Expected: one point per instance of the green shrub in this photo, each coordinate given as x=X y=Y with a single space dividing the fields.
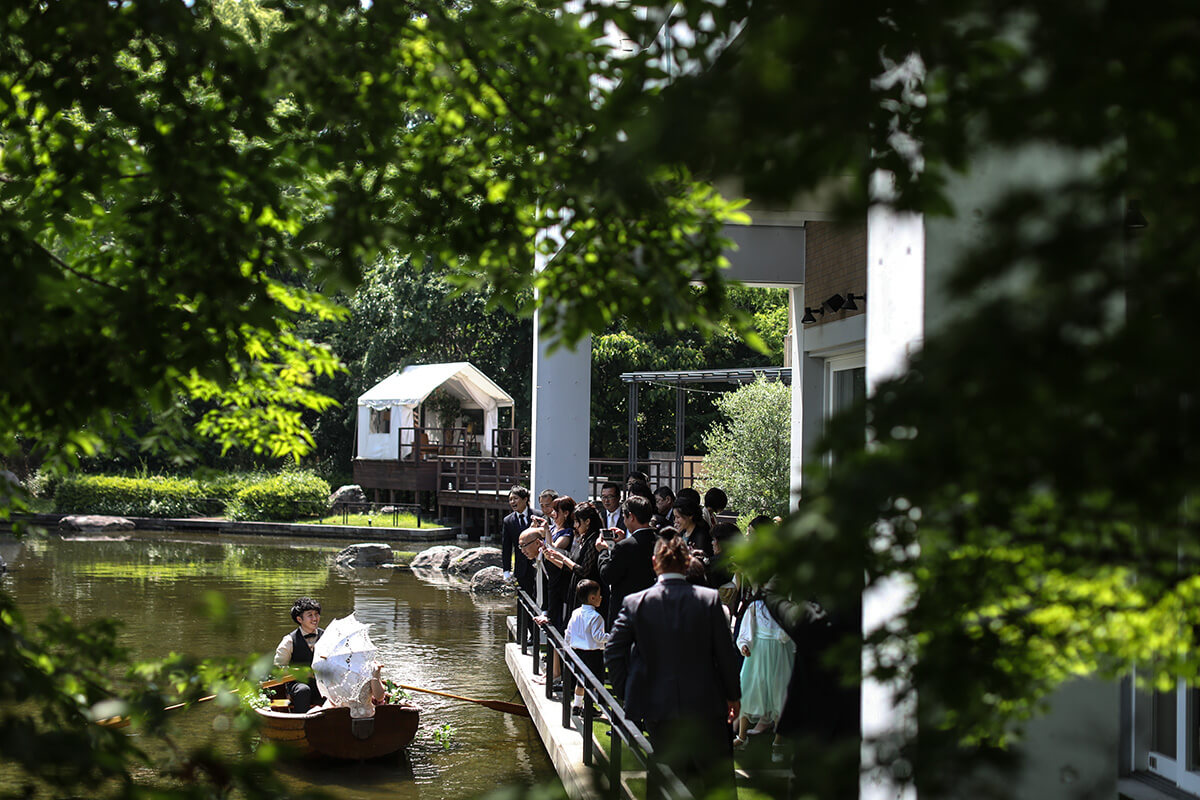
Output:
x=226 y=485
x=749 y=451
x=288 y=496
x=155 y=496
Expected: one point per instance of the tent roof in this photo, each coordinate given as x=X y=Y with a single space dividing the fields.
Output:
x=415 y=383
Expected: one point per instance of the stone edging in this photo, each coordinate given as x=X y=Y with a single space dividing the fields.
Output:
x=431 y=534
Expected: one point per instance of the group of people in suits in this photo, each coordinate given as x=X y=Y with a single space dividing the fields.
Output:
x=672 y=607
x=669 y=652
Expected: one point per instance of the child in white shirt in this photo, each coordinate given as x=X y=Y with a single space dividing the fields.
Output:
x=586 y=636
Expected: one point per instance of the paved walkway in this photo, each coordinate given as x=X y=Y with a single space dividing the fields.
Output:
x=565 y=745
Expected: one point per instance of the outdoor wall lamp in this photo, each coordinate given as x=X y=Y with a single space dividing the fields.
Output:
x=835 y=303
x=1134 y=219
x=851 y=297
x=808 y=317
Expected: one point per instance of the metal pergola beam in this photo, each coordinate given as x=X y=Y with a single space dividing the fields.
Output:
x=678 y=378
x=743 y=375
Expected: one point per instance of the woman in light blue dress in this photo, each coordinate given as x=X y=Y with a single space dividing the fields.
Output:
x=767 y=668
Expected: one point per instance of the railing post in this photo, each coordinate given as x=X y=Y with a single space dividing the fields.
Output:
x=614 y=766
x=549 y=667
x=537 y=647
x=589 y=719
x=568 y=690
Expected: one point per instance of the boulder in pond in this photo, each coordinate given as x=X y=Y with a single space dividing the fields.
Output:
x=10 y=486
x=351 y=494
x=436 y=557
x=365 y=555
x=468 y=562
x=94 y=522
x=490 y=580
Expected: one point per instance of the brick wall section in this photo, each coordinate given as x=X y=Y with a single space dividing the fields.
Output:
x=835 y=262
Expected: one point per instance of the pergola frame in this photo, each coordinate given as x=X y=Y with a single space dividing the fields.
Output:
x=678 y=378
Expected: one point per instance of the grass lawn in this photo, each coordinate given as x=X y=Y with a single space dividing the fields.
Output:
x=755 y=759
x=369 y=520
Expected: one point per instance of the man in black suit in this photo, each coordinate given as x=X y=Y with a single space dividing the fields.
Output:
x=520 y=519
x=626 y=564
x=610 y=499
x=296 y=648
x=682 y=677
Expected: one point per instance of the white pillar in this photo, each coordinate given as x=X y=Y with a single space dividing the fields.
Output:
x=562 y=407
x=895 y=330
x=796 y=362
x=562 y=412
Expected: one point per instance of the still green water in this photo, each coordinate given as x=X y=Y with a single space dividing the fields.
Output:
x=432 y=635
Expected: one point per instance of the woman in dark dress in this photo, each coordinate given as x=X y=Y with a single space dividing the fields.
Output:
x=689 y=521
x=583 y=561
x=561 y=537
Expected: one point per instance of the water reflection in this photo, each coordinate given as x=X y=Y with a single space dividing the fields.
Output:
x=435 y=636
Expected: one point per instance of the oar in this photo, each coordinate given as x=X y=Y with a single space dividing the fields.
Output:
x=495 y=705
x=121 y=722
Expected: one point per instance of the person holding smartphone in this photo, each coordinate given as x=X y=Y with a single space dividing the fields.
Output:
x=626 y=561
x=583 y=560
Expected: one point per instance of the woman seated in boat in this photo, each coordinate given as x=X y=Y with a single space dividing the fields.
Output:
x=370 y=695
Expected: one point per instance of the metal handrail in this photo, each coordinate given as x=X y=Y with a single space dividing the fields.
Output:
x=661 y=781
x=358 y=508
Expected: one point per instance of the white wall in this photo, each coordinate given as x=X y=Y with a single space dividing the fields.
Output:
x=1073 y=750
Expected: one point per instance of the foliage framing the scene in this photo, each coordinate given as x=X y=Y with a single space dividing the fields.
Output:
x=1035 y=470
x=182 y=184
x=173 y=173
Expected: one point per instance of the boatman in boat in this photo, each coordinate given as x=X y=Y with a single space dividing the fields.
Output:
x=297 y=648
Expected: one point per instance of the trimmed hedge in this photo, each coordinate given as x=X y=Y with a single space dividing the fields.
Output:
x=288 y=496
x=248 y=496
x=132 y=497
x=226 y=485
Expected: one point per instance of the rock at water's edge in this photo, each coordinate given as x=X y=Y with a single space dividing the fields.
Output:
x=365 y=555
x=490 y=580
x=3 y=566
x=471 y=561
x=351 y=494
x=436 y=557
x=94 y=522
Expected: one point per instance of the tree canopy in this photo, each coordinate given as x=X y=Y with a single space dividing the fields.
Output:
x=174 y=174
x=625 y=347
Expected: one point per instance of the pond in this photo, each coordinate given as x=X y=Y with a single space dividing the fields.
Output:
x=430 y=635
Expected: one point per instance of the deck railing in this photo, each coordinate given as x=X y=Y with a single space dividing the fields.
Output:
x=486 y=475
x=661 y=781
x=481 y=475
x=661 y=472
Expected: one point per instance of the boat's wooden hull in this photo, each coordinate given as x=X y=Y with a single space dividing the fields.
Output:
x=331 y=732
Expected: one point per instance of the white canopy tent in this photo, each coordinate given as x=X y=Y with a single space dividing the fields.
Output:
x=389 y=407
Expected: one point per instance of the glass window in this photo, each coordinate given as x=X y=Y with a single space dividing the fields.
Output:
x=1163 y=713
x=381 y=421
x=849 y=387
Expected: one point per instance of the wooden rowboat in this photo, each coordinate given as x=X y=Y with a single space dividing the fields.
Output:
x=332 y=732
